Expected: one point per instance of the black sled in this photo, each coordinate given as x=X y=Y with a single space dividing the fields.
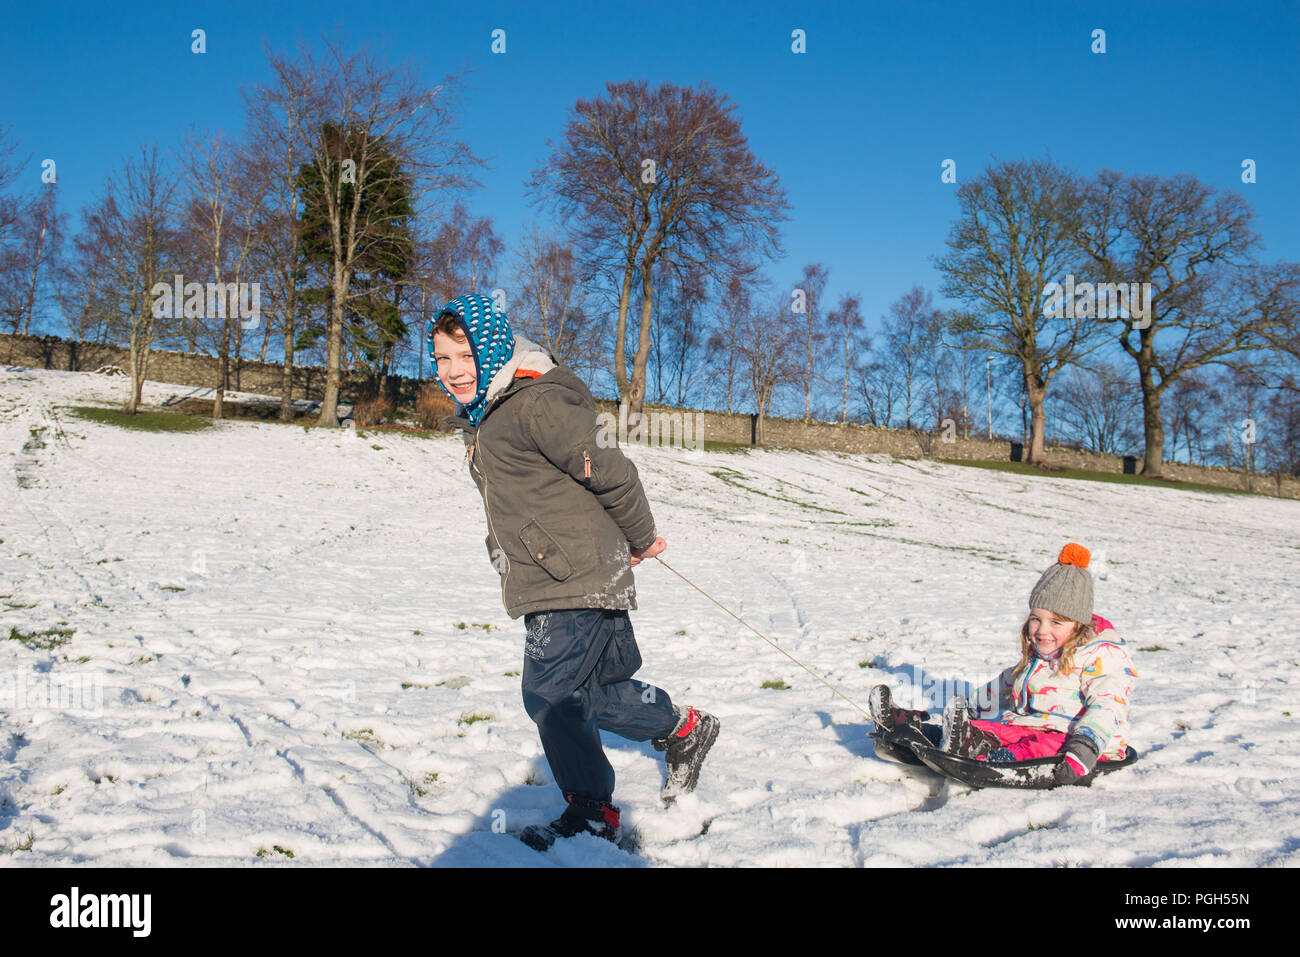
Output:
x=899 y=744
x=1034 y=774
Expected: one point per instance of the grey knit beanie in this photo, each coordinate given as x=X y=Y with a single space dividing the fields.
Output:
x=1066 y=587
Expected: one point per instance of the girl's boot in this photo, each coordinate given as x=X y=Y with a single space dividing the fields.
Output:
x=886 y=716
x=963 y=738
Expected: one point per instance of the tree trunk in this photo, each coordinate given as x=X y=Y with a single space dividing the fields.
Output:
x=334 y=353
x=139 y=357
x=1035 y=394
x=1152 y=426
x=31 y=290
x=266 y=339
x=846 y=378
x=223 y=352
x=223 y=374
x=620 y=343
x=636 y=391
x=808 y=376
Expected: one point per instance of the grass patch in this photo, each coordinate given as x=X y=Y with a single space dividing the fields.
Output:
x=141 y=421
x=45 y=640
x=172 y=587
x=474 y=717
x=23 y=845
x=1118 y=478
x=462 y=626
x=420 y=790
x=733 y=447
x=408 y=685
x=276 y=849
x=257 y=411
x=363 y=736
x=1155 y=648
x=777 y=685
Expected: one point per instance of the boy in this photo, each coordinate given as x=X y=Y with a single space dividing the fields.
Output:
x=567 y=519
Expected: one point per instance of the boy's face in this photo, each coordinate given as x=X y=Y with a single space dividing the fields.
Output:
x=456 y=370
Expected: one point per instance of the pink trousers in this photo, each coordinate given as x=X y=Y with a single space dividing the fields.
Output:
x=1024 y=743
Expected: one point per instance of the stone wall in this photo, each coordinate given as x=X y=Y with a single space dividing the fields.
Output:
x=183 y=368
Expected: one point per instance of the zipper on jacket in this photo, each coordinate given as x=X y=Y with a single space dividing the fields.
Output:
x=586 y=464
x=487 y=510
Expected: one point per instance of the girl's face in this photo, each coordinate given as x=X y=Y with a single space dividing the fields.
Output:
x=456 y=370
x=1048 y=631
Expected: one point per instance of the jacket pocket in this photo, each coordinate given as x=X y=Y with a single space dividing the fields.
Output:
x=621 y=657
x=545 y=551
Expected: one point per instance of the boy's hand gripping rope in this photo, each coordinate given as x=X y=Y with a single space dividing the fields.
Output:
x=834 y=690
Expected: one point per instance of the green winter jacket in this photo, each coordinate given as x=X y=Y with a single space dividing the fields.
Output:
x=564 y=506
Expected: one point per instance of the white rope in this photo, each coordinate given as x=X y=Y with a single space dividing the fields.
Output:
x=834 y=690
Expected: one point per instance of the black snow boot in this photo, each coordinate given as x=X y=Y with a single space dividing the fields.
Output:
x=686 y=747
x=582 y=816
x=962 y=738
x=886 y=716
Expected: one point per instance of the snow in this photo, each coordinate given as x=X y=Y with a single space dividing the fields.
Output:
x=291 y=641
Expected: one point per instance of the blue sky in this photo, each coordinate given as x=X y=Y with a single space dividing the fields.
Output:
x=856 y=128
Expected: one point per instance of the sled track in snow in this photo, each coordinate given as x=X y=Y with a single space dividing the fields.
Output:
x=54 y=526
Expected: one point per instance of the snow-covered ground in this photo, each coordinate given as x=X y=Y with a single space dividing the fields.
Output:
x=271 y=641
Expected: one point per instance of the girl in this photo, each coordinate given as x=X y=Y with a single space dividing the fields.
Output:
x=1068 y=694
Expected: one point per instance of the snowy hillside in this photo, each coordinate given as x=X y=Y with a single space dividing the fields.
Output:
x=303 y=652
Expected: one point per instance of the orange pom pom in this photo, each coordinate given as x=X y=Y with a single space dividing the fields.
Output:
x=1073 y=554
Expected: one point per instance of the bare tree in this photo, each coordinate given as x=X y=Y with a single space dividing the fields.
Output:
x=135 y=224
x=1095 y=405
x=11 y=167
x=936 y=361
x=1013 y=237
x=664 y=174
x=219 y=214
x=769 y=353
x=277 y=116
x=37 y=239
x=550 y=301
x=879 y=383
x=81 y=282
x=846 y=323
x=724 y=342
x=904 y=336
x=1191 y=247
x=363 y=126
x=678 y=332
x=812 y=333
x=1189 y=403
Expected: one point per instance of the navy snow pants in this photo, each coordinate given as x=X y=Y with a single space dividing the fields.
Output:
x=578 y=666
